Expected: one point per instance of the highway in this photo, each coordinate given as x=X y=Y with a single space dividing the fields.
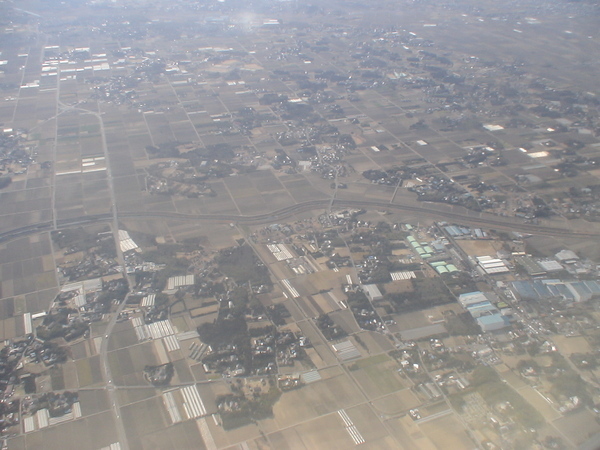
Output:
x=428 y=210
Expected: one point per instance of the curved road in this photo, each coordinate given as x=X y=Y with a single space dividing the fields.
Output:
x=432 y=211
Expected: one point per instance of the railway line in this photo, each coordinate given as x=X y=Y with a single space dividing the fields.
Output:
x=428 y=210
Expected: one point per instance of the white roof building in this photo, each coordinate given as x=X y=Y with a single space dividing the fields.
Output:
x=550 y=265
x=372 y=291
x=567 y=256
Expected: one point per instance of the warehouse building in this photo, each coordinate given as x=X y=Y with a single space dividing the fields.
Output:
x=577 y=291
x=372 y=291
x=480 y=305
x=491 y=266
x=493 y=322
x=533 y=268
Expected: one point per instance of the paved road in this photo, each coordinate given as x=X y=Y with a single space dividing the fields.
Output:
x=110 y=387
x=427 y=210
x=114 y=221
x=106 y=372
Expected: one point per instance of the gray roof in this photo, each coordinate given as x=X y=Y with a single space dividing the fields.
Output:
x=566 y=255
